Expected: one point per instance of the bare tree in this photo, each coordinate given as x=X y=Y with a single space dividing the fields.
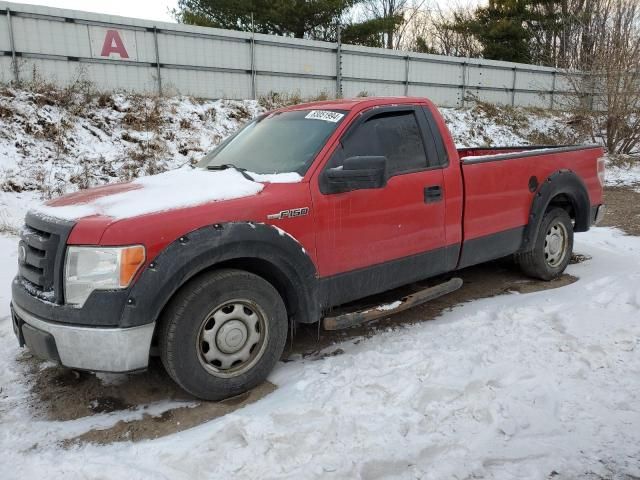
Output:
x=394 y=13
x=563 y=32
x=451 y=41
x=411 y=16
x=431 y=31
x=611 y=80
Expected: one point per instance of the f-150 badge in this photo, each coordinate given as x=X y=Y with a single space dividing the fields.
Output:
x=294 y=212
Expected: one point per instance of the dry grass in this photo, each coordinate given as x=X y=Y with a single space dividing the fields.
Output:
x=515 y=117
x=624 y=161
x=238 y=111
x=5 y=111
x=274 y=100
x=185 y=124
x=555 y=136
x=144 y=114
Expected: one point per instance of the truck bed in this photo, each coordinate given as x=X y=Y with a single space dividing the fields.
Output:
x=500 y=184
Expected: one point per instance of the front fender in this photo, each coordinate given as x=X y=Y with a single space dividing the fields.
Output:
x=216 y=244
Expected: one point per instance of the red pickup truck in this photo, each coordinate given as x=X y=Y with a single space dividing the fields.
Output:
x=304 y=209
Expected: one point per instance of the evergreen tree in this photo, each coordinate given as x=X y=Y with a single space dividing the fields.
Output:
x=501 y=28
x=295 y=18
x=370 y=33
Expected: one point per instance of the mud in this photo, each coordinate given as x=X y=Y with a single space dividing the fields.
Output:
x=622 y=209
x=171 y=421
x=60 y=394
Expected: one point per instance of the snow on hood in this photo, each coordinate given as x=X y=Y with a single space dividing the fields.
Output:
x=166 y=191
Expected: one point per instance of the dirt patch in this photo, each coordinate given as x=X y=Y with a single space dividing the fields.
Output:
x=62 y=394
x=623 y=209
x=171 y=421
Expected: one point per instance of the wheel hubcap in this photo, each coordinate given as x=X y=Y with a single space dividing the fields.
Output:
x=232 y=338
x=555 y=244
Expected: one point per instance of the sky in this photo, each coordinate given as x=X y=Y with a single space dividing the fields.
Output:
x=155 y=9
x=148 y=9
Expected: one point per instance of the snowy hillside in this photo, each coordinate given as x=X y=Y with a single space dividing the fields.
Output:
x=54 y=142
x=57 y=141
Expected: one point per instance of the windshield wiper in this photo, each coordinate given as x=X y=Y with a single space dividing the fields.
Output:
x=226 y=166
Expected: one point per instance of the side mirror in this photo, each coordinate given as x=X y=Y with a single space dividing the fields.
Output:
x=356 y=173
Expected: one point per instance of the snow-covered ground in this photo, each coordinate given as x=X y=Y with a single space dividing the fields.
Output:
x=625 y=174
x=540 y=385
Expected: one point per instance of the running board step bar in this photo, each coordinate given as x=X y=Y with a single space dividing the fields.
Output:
x=347 y=320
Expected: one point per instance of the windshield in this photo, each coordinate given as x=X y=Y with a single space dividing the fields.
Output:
x=277 y=143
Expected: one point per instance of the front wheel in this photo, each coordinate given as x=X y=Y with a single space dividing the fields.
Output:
x=553 y=247
x=223 y=333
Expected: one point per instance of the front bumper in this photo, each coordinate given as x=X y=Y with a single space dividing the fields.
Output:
x=98 y=349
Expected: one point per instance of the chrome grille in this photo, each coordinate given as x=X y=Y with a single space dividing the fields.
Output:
x=42 y=242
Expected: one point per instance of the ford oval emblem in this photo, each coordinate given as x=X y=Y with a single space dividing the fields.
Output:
x=22 y=253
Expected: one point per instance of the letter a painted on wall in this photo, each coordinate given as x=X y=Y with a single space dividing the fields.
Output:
x=113 y=44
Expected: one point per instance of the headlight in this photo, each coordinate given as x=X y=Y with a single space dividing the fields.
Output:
x=99 y=268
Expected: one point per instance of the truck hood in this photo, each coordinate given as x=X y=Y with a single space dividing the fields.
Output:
x=172 y=190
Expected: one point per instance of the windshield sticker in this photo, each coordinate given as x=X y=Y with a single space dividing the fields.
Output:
x=325 y=115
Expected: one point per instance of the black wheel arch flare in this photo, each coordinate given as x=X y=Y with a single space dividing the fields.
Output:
x=562 y=182
x=257 y=247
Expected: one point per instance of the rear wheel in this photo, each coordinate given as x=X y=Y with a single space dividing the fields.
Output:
x=223 y=333
x=553 y=246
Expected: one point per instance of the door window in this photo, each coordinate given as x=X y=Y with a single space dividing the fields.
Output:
x=395 y=135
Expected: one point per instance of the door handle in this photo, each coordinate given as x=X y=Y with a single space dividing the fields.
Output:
x=432 y=194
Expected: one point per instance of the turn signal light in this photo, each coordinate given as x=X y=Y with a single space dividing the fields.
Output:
x=131 y=259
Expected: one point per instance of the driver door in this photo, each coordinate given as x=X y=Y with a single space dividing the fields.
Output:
x=380 y=238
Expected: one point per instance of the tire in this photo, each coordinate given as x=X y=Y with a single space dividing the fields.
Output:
x=223 y=333
x=552 y=249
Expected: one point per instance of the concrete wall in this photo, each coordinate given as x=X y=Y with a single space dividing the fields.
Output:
x=144 y=56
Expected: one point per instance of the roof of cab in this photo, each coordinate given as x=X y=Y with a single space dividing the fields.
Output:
x=351 y=103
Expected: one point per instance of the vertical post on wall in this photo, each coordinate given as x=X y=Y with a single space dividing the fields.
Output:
x=464 y=83
x=155 y=41
x=338 y=63
x=553 y=89
x=513 y=87
x=253 y=59
x=592 y=92
x=14 y=61
x=407 y=60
